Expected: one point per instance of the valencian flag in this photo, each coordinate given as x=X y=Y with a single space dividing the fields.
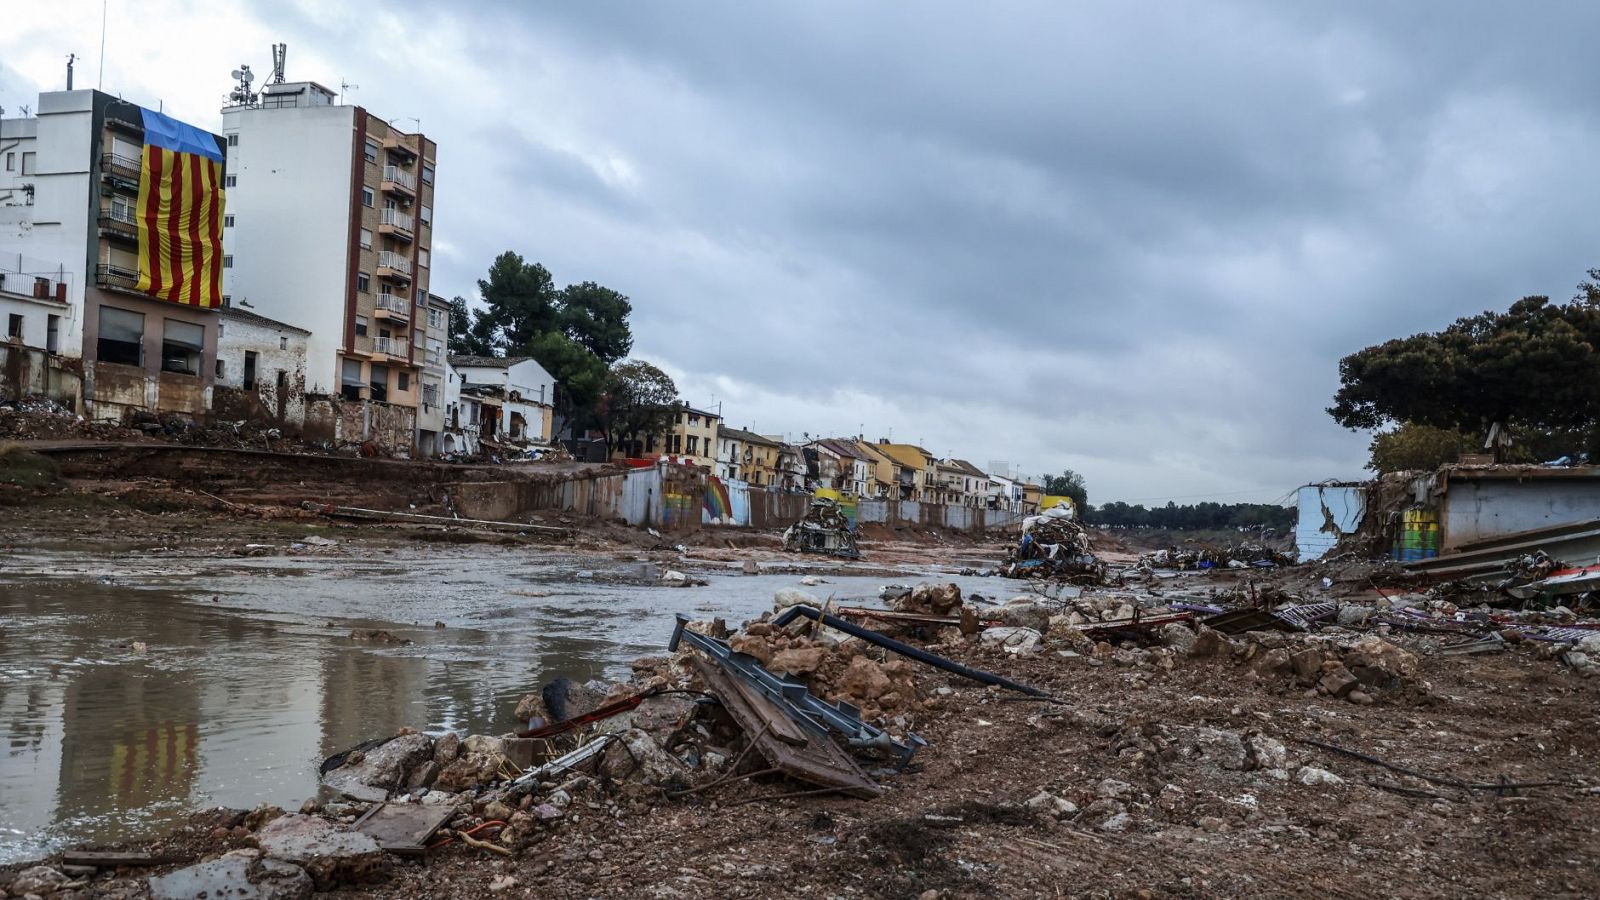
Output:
x=180 y=213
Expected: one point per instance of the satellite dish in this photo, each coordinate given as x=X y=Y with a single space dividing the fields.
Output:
x=237 y=74
x=249 y=76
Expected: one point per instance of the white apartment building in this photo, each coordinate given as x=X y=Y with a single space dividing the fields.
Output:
x=330 y=226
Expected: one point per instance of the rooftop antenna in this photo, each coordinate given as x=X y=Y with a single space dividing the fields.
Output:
x=71 y=58
x=279 y=53
x=242 y=95
x=344 y=88
x=101 y=80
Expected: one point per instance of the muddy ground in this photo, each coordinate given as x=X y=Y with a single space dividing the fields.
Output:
x=959 y=822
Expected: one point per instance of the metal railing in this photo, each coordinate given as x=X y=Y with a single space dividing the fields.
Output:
x=388 y=259
x=389 y=346
x=118 y=161
x=394 y=303
x=397 y=175
x=106 y=274
x=394 y=218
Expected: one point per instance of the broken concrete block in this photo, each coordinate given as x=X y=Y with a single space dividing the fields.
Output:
x=41 y=880
x=1026 y=612
x=1338 y=682
x=1012 y=639
x=640 y=758
x=372 y=776
x=784 y=598
x=330 y=855
x=238 y=874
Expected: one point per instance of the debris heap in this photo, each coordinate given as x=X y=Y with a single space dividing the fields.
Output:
x=823 y=529
x=1054 y=545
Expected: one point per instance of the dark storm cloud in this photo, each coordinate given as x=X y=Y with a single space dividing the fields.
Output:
x=1130 y=238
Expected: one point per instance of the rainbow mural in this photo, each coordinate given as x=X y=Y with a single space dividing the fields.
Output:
x=717 y=507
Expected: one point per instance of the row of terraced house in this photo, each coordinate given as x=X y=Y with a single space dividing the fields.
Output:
x=850 y=467
x=280 y=275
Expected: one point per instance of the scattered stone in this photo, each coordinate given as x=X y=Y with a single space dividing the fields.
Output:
x=502 y=883
x=38 y=880
x=1118 y=822
x=798 y=661
x=447 y=748
x=1012 y=639
x=1112 y=789
x=1178 y=636
x=1313 y=776
x=1049 y=804
x=1025 y=612
x=1307 y=665
x=1209 y=642
x=787 y=597
x=1338 y=682
x=1273 y=664
x=865 y=679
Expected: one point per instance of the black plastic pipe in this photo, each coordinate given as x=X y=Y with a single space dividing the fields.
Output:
x=889 y=643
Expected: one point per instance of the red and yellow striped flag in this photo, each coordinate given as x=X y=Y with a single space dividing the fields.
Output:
x=180 y=213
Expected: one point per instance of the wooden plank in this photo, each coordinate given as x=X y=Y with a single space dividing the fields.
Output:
x=403 y=828
x=109 y=858
x=818 y=761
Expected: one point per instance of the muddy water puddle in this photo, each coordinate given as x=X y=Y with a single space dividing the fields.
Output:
x=135 y=689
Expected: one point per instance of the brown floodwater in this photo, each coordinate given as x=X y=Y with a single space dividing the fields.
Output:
x=138 y=686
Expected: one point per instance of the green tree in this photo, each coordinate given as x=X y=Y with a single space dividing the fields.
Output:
x=1068 y=484
x=1411 y=446
x=1533 y=368
x=597 y=318
x=520 y=302
x=469 y=335
x=639 y=399
x=580 y=378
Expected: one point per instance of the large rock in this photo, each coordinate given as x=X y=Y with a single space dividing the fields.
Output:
x=331 y=855
x=798 y=660
x=935 y=599
x=640 y=758
x=473 y=768
x=1273 y=664
x=1220 y=748
x=753 y=645
x=1210 y=642
x=784 y=598
x=370 y=777
x=1178 y=636
x=1376 y=662
x=1338 y=682
x=1307 y=665
x=1011 y=638
x=447 y=748
x=238 y=875
x=1026 y=612
x=41 y=880
x=865 y=680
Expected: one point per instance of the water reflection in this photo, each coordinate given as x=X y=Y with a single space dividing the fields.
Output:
x=249 y=677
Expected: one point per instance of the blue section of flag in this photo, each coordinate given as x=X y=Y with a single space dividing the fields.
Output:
x=170 y=134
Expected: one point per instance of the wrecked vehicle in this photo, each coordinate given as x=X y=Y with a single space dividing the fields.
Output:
x=823 y=529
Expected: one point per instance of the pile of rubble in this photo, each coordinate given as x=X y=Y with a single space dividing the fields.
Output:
x=1054 y=545
x=823 y=529
x=1246 y=555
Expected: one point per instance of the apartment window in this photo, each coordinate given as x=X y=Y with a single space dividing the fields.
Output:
x=402 y=381
x=27 y=162
x=227 y=220
x=230 y=181
x=371 y=152
x=219 y=329
x=379 y=384
x=694 y=445
x=233 y=140
x=350 y=379
x=436 y=319
x=363 y=282
x=227 y=260
x=227 y=299
x=283 y=343
x=425 y=214
x=422 y=257
x=11 y=162
x=14 y=327
x=52 y=334
x=361 y=325
x=368 y=197
x=181 y=343
x=430 y=394
x=416 y=338
x=222 y=369
x=121 y=338
x=427 y=173
x=366 y=238
x=250 y=369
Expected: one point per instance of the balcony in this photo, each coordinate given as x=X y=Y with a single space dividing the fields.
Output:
x=393 y=266
x=390 y=347
x=107 y=275
x=396 y=224
x=118 y=223
x=398 y=181
x=117 y=165
x=395 y=307
x=397 y=145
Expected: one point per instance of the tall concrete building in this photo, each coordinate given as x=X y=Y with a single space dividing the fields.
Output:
x=72 y=231
x=330 y=226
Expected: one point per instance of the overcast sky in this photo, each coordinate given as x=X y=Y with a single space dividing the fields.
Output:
x=1128 y=239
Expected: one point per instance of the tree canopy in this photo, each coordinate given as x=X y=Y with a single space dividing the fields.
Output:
x=1204 y=516
x=576 y=333
x=1411 y=446
x=1532 y=368
x=1068 y=484
x=639 y=399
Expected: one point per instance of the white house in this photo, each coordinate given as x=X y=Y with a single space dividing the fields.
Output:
x=524 y=390
x=263 y=363
x=1004 y=492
